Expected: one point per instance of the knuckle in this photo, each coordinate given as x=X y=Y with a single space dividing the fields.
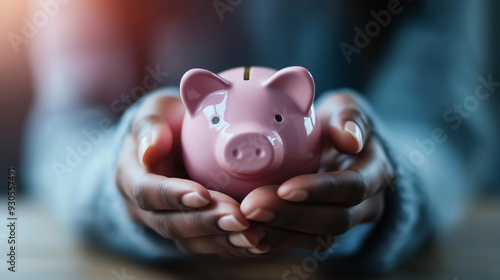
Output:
x=326 y=192
x=203 y=226
x=220 y=244
x=359 y=188
x=145 y=194
x=167 y=228
x=344 y=222
x=164 y=195
x=141 y=196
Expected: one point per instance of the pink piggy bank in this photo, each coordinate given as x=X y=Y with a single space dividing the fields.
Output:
x=249 y=126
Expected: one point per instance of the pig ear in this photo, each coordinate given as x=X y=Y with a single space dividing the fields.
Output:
x=196 y=84
x=295 y=82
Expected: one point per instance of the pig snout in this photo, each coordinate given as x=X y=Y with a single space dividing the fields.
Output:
x=250 y=154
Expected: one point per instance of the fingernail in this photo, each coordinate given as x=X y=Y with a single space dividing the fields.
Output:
x=257 y=251
x=261 y=215
x=239 y=240
x=144 y=144
x=354 y=129
x=230 y=223
x=194 y=200
x=299 y=195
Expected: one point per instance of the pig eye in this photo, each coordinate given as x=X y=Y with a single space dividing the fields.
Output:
x=215 y=120
x=278 y=118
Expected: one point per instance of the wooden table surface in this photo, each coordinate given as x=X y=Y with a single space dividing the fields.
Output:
x=470 y=251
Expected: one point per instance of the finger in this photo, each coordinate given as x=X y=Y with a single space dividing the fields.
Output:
x=154 y=139
x=154 y=192
x=263 y=205
x=369 y=173
x=277 y=237
x=220 y=244
x=373 y=209
x=157 y=125
x=345 y=123
x=219 y=217
x=346 y=187
x=214 y=244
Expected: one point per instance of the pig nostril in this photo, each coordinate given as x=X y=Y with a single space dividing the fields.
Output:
x=259 y=152
x=236 y=153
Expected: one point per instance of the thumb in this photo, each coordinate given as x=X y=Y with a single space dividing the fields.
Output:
x=154 y=139
x=347 y=127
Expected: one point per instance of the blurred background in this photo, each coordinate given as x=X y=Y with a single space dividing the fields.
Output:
x=47 y=252
x=15 y=84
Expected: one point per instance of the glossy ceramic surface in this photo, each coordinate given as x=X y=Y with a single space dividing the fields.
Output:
x=249 y=126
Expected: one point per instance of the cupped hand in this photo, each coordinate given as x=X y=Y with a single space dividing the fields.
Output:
x=348 y=190
x=158 y=195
